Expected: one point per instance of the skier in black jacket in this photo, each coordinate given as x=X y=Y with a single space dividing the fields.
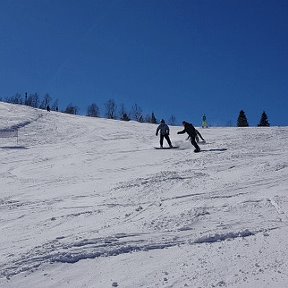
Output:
x=193 y=134
x=164 y=133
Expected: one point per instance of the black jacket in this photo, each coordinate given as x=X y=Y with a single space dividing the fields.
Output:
x=164 y=129
x=189 y=129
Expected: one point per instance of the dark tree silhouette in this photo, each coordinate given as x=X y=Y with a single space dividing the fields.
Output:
x=71 y=109
x=110 y=109
x=93 y=110
x=55 y=105
x=45 y=102
x=153 y=118
x=32 y=100
x=147 y=118
x=136 y=113
x=172 y=120
x=141 y=119
x=264 y=120
x=150 y=118
x=123 y=115
x=17 y=99
x=242 y=120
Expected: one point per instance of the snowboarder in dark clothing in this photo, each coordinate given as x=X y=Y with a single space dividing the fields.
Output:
x=193 y=134
x=197 y=137
x=164 y=133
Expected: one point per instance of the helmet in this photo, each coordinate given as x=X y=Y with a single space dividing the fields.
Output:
x=162 y=121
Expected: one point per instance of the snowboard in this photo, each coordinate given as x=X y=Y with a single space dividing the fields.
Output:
x=174 y=147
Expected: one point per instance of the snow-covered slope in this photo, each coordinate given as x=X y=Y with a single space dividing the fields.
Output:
x=89 y=202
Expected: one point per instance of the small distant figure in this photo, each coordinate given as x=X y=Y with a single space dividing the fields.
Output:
x=48 y=108
x=193 y=134
x=164 y=133
x=204 y=122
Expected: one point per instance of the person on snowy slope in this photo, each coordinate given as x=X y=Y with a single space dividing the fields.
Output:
x=199 y=135
x=164 y=133
x=193 y=134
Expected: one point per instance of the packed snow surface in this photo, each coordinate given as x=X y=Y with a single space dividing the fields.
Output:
x=89 y=202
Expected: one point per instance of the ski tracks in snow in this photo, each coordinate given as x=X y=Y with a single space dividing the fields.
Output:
x=107 y=192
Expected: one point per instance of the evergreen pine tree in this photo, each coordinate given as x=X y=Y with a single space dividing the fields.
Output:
x=125 y=117
x=242 y=120
x=153 y=119
x=264 y=120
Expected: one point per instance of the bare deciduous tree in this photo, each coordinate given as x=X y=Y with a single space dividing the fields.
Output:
x=110 y=109
x=71 y=109
x=136 y=113
x=93 y=110
x=45 y=102
x=55 y=105
x=17 y=99
x=123 y=115
x=172 y=120
x=32 y=100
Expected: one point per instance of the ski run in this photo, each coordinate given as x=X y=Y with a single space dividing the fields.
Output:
x=88 y=202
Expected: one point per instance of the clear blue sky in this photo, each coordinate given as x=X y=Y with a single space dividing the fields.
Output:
x=180 y=57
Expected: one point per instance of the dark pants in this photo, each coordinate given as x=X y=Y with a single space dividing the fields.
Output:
x=194 y=143
x=167 y=139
